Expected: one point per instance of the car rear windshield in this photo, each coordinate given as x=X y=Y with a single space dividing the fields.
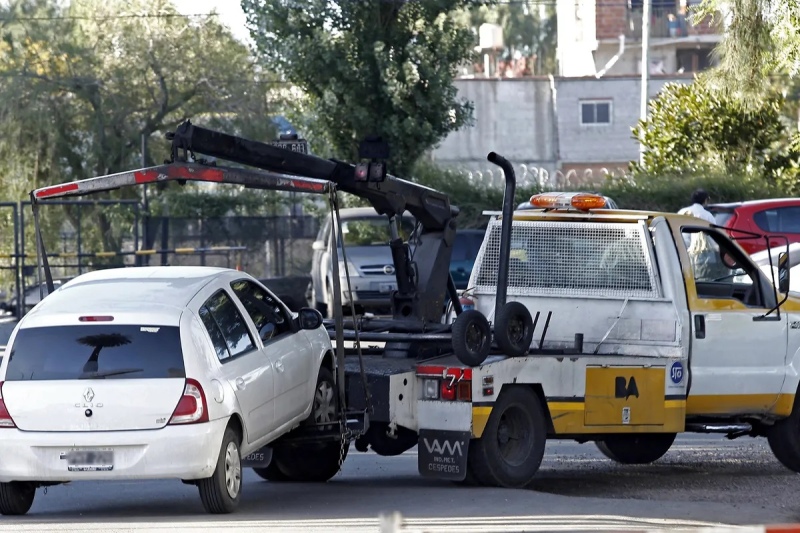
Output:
x=96 y=352
x=722 y=217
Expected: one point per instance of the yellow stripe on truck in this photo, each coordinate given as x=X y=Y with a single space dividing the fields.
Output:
x=480 y=417
x=722 y=404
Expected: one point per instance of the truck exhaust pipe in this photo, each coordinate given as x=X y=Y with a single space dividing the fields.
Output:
x=505 y=228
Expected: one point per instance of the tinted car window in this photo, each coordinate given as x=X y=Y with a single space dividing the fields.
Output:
x=466 y=246
x=372 y=231
x=263 y=309
x=722 y=217
x=224 y=322
x=107 y=351
x=779 y=220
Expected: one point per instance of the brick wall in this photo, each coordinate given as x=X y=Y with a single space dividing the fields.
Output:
x=612 y=19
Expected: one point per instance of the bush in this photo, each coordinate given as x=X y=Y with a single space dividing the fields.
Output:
x=669 y=193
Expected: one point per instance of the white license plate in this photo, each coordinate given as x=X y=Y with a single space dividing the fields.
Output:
x=387 y=287
x=99 y=460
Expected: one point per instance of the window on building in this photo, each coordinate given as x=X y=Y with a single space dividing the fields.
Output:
x=694 y=59
x=596 y=112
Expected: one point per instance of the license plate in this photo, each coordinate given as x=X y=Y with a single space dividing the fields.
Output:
x=101 y=460
x=387 y=287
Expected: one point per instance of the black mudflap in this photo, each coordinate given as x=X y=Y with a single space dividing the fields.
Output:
x=443 y=454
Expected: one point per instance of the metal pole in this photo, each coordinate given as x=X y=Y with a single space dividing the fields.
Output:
x=18 y=268
x=645 y=68
x=79 y=240
x=146 y=217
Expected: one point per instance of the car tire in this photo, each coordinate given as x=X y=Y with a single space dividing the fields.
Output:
x=310 y=463
x=221 y=492
x=471 y=337
x=784 y=439
x=329 y=303
x=494 y=460
x=638 y=449
x=16 y=498
x=513 y=329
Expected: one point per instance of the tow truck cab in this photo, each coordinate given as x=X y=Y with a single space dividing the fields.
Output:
x=645 y=325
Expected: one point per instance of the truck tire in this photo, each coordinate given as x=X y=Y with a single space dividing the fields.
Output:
x=636 y=449
x=513 y=329
x=784 y=439
x=510 y=451
x=221 y=492
x=310 y=463
x=471 y=337
x=16 y=498
x=271 y=472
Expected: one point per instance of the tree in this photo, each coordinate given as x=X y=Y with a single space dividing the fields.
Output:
x=692 y=128
x=762 y=38
x=370 y=68
x=81 y=85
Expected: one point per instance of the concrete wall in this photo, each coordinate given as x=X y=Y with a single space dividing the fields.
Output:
x=513 y=117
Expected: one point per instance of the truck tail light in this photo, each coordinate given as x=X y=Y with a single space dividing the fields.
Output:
x=5 y=418
x=431 y=389
x=465 y=391
x=192 y=407
x=448 y=391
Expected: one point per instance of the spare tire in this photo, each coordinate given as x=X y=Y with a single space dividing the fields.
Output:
x=472 y=337
x=513 y=329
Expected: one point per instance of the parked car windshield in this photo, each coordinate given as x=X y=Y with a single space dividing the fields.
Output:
x=96 y=351
x=372 y=231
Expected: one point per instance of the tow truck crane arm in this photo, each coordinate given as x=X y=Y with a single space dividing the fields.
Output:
x=420 y=294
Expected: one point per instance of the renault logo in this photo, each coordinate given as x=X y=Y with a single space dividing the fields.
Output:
x=388 y=269
x=88 y=395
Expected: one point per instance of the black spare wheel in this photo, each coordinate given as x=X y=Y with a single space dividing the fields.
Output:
x=513 y=329
x=471 y=337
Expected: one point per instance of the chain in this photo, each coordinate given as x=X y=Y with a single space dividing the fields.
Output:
x=342 y=446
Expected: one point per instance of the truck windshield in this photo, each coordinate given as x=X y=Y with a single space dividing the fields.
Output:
x=373 y=231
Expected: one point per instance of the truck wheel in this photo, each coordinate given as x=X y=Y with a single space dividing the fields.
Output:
x=513 y=329
x=510 y=451
x=221 y=492
x=784 y=440
x=636 y=449
x=471 y=337
x=16 y=498
x=271 y=472
x=310 y=462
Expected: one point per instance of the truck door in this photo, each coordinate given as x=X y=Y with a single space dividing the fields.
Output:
x=737 y=357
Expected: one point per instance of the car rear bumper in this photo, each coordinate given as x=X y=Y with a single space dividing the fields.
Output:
x=182 y=452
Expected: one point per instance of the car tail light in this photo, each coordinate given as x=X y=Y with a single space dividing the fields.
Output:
x=96 y=318
x=192 y=407
x=5 y=418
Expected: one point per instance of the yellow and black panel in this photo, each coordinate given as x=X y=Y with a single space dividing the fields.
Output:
x=624 y=395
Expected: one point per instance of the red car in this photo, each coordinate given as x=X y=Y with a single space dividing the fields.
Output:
x=776 y=217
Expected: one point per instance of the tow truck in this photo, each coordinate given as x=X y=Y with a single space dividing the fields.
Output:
x=637 y=339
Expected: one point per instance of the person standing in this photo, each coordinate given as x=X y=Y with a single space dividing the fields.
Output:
x=700 y=199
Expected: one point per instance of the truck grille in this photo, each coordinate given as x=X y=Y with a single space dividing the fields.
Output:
x=570 y=259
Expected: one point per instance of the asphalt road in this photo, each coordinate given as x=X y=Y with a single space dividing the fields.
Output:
x=702 y=481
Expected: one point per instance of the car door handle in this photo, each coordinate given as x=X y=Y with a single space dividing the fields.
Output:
x=700 y=326
x=279 y=365
x=240 y=384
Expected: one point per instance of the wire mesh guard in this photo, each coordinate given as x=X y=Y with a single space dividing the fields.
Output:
x=570 y=259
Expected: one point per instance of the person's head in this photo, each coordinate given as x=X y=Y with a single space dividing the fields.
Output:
x=700 y=196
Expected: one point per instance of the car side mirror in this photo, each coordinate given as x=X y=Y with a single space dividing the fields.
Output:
x=309 y=318
x=783 y=272
x=318 y=246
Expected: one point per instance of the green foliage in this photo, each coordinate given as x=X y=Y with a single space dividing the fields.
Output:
x=370 y=68
x=82 y=84
x=695 y=128
x=762 y=38
x=671 y=192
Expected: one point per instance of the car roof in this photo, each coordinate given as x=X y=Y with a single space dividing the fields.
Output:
x=163 y=289
x=756 y=203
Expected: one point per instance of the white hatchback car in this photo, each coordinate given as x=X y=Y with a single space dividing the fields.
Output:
x=157 y=372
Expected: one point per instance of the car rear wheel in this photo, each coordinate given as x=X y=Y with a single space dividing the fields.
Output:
x=271 y=472
x=16 y=498
x=221 y=492
x=784 y=439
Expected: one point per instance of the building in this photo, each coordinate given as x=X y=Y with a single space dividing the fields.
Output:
x=604 y=37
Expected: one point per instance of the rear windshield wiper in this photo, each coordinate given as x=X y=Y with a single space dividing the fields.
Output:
x=106 y=373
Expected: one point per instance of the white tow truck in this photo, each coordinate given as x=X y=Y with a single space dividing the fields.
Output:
x=646 y=325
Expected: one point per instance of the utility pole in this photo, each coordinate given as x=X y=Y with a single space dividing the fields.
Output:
x=145 y=206
x=645 y=67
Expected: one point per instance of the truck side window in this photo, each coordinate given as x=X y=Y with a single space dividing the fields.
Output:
x=720 y=270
